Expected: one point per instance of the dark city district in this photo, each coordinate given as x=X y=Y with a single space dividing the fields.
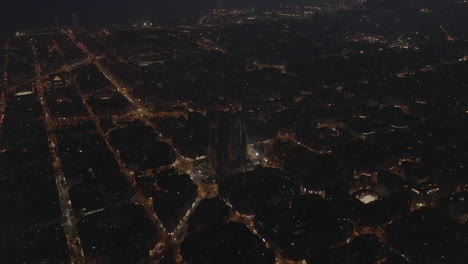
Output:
x=238 y=132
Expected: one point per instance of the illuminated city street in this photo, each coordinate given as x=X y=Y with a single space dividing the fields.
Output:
x=228 y=132
x=69 y=220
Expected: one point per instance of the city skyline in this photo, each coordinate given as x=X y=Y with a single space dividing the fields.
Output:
x=23 y=14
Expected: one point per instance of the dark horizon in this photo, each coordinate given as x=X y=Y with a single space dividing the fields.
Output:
x=29 y=14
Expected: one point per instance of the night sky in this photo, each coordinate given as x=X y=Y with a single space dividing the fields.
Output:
x=20 y=14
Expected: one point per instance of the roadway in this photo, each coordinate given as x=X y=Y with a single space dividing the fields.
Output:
x=248 y=221
x=65 y=68
x=449 y=37
x=141 y=112
x=68 y=218
x=140 y=197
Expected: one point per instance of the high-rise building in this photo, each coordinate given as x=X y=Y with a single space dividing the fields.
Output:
x=75 y=23
x=227 y=150
x=219 y=7
x=57 y=26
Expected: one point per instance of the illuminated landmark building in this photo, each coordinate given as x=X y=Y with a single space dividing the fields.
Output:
x=227 y=151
